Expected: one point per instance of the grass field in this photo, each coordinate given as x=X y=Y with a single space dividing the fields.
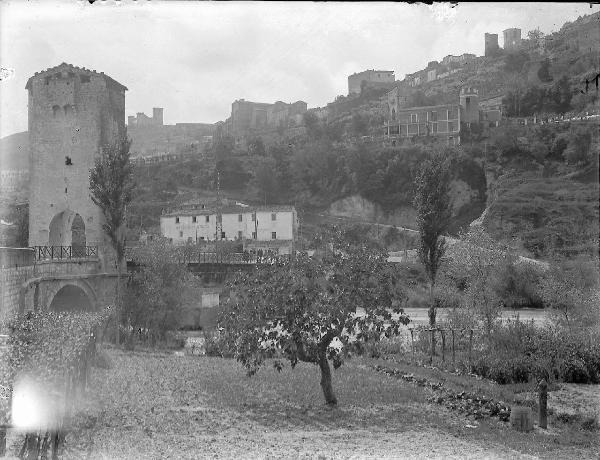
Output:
x=157 y=405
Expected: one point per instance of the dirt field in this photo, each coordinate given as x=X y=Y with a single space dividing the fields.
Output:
x=157 y=405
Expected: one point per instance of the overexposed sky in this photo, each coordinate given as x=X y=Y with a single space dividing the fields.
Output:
x=195 y=58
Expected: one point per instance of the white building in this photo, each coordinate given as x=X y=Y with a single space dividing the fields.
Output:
x=260 y=227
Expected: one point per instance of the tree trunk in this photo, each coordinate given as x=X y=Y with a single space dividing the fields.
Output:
x=118 y=306
x=330 y=398
x=432 y=313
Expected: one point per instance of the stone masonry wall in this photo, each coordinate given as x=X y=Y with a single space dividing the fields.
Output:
x=11 y=280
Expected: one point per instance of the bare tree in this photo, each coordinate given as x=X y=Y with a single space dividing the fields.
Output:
x=111 y=187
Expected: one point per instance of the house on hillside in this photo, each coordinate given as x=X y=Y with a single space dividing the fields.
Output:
x=272 y=228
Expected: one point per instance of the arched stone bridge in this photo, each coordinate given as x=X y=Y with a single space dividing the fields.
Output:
x=64 y=282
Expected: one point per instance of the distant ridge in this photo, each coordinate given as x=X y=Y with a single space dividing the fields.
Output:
x=14 y=151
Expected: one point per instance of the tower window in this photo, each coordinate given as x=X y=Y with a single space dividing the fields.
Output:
x=273 y=216
x=273 y=235
x=177 y=220
x=55 y=109
x=68 y=161
x=239 y=217
x=194 y=219
x=207 y=219
x=84 y=78
x=47 y=80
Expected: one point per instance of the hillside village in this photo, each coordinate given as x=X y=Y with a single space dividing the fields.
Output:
x=422 y=252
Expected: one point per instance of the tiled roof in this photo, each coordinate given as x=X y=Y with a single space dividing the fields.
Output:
x=229 y=210
x=80 y=70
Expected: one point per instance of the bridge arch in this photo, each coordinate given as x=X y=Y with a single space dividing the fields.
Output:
x=72 y=295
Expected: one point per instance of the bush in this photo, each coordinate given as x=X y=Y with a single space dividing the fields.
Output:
x=515 y=351
x=216 y=344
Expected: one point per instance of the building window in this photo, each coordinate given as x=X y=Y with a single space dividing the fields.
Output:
x=253 y=216
x=273 y=235
x=450 y=126
x=55 y=109
x=273 y=216
x=180 y=234
x=433 y=116
x=194 y=219
x=84 y=78
x=253 y=235
x=239 y=217
x=434 y=128
x=207 y=219
x=448 y=115
x=413 y=117
x=468 y=99
x=177 y=220
x=240 y=234
x=222 y=235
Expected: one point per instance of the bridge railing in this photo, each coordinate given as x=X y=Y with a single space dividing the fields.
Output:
x=65 y=252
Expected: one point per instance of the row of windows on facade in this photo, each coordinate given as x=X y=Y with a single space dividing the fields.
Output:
x=240 y=235
x=219 y=218
x=423 y=128
x=430 y=116
x=82 y=78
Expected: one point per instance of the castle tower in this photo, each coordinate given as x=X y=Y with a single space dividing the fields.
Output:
x=512 y=39
x=469 y=105
x=72 y=113
x=157 y=115
x=491 y=44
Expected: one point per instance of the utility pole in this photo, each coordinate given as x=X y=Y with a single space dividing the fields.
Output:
x=218 y=224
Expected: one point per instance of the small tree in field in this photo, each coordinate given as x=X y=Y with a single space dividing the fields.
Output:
x=313 y=309
x=111 y=187
x=433 y=205
x=476 y=261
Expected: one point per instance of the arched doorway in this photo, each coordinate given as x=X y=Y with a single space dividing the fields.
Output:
x=58 y=230
x=71 y=298
x=78 y=237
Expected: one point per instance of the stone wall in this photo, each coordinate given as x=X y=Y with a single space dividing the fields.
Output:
x=11 y=281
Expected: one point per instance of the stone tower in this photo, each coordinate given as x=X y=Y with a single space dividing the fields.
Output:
x=157 y=115
x=72 y=113
x=491 y=44
x=512 y=39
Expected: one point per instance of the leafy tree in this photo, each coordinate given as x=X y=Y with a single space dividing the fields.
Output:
x=544 y=71
x=257 y=147
x=434 y=210
x=157 y=292
x=111 y=189
x=572 y=291
x=314 y=309
x=475 y=262
x=515 y=61
x=265 y=181
x=579 y=147
x=223 y=148
x=313 y=126
x=359 y=124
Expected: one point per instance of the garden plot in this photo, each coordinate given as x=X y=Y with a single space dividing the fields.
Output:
x=157 y=405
